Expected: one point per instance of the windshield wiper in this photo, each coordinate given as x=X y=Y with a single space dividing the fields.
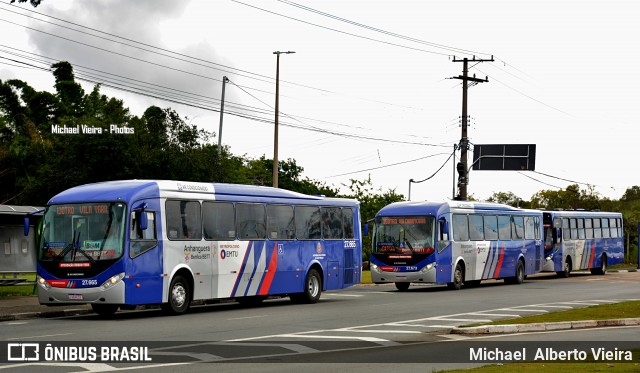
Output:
x=75 y=246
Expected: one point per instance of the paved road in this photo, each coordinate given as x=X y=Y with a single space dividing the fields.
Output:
x=370 y=325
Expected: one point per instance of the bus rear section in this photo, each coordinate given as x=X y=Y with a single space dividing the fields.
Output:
x=580 y=240
x=455 y=243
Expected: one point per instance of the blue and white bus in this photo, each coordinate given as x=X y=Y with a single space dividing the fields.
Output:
x=577 y=239
x=455 y=243
x=121 y=244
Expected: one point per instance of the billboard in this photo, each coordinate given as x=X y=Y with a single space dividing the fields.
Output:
x=504 y=157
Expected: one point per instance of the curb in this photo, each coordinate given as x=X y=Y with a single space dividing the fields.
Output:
x=45 y=314
x=543 y=327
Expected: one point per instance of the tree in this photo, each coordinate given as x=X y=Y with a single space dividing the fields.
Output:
x=371 y=201
x=631 y=194
x=34 y=3
x=507 y=198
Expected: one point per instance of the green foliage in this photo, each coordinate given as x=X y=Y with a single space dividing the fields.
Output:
x=371 y=201
x=34 y=3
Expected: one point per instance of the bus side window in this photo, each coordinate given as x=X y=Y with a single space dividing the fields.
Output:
x=142 y=240
x=588 y=227
x=597 y=231
x=251 y=219
x=347 y=223
x=517 y=227
x=504 y=227
x=490 y=227
x=605 y=228
x=460 y=227
x=443 y=235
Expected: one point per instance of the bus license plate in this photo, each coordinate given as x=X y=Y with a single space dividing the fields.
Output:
x=75 y=296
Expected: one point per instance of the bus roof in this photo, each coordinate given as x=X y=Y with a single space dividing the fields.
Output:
x=131 y=190
x=581 y=213
x=436 y=208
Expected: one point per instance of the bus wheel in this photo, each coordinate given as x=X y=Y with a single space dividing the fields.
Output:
x=519 y=273
x=519 y=277
x=602 y=269
x=566 y=271
x=179 y=297
x=312 y=289
x=104 y=310
x=458 y=278
x=402 y=286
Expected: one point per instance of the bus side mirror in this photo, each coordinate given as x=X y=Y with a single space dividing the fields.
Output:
x=365 y=229
x=444 y=230
x=26 y=226
x=143 y=222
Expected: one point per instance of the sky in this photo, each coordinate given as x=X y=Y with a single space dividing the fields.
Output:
x=369 y=91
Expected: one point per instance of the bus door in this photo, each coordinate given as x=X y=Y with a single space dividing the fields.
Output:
x=144 y=254
x=444 y=252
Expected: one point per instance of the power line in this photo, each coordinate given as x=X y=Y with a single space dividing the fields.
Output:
x=435 y=173
x=389 y=165
x=342 y=32
x=441 y=46
x=173 y=57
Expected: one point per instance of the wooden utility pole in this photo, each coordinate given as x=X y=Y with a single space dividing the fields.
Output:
x=462 y=167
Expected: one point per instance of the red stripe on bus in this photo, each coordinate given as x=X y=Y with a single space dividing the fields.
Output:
x=271 y=271
x=499 y=266
x=593 y=254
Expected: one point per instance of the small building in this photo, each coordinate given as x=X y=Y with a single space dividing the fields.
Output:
x=17 y=251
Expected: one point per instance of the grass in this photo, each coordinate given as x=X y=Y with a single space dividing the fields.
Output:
x=366 y=277
x=554 y=367
x=19 y=290
x=620 y=310
x=600 y=312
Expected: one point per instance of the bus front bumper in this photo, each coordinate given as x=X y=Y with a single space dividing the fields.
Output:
x=426 y=275
x=55 y=295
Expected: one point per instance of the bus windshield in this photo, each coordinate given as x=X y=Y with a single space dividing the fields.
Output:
x=404 y=235
x=84 y=232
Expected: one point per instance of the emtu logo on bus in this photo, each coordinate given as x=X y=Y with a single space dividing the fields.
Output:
x=228 y=254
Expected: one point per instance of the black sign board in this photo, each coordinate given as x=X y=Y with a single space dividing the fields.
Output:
x=504 y=157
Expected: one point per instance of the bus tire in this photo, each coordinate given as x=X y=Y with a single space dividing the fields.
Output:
x=566 y=270
x=179 y=298
x=402 y=286
x=519 y=277
x=104 y=310
x=458 y=278
x=312 y=289
x=519 y=273
x=602 y=270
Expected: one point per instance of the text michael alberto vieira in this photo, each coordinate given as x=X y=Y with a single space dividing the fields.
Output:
x=91 y=130
x=550 y=354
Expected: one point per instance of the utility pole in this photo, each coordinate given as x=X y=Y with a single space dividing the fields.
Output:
x=275 y=132
x=224 y=81
x=463 y=179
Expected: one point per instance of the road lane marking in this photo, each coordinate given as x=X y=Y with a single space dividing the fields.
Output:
x=38 y=336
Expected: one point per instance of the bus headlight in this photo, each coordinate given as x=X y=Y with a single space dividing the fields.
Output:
x=42 y=282
x=549 y=257
x=112 y=281
x=375 y=268
x=428 y=267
